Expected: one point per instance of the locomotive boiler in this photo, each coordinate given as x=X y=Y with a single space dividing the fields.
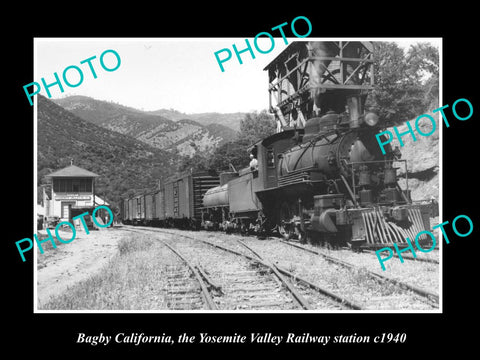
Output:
x=322 y=175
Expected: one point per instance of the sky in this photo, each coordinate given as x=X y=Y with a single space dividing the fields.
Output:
x=170 y=73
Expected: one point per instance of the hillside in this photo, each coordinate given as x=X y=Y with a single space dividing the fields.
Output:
x=423 y=160
x=230 y=120
x=122 y=162
x=178 y=134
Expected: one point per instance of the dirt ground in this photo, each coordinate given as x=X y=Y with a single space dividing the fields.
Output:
x=59 y=268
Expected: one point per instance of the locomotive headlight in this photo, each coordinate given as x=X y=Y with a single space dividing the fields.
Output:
x=371 y=119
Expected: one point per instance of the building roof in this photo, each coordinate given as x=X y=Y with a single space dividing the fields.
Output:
x=295 y=46
x=99 y=201
x=72 y=171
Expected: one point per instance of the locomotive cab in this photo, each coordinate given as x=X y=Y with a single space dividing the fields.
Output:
x=333 y=180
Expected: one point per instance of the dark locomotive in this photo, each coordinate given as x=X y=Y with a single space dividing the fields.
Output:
x=322 y=176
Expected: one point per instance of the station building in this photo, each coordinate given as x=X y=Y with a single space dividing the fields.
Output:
x=72 y=193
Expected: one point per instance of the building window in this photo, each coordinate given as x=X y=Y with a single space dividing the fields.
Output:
x=59 y=185
x=68 y=185
x=86 y=185
x=72 y=185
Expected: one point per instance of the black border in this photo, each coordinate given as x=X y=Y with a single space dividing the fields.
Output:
x=427 y=333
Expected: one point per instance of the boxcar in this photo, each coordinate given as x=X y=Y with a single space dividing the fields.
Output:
x=183 y=199
x=142 y=207
x=159 y=207
x=130 y=210
x=168 y=201
x=177 y=203
x=138 y=215
x=149 y=208
x=125 y=210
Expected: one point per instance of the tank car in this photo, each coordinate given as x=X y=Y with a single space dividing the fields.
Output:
x=215 y=211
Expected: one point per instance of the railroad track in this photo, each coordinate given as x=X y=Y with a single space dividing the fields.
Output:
x=248 y=281
x=408 y=257
x=298 y=282
x=372 y=290
x=374 y=275
x=180 y=289
x=244 y=284
x=188 y=287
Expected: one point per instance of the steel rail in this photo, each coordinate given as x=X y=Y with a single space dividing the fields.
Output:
x=205 y=292
x=407 y=257
x=300 y=299
x=419 y=291
x=337 y=298
x=345 y=302
x=211 y=284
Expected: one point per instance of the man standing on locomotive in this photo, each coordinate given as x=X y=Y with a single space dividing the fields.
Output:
x=253 y=162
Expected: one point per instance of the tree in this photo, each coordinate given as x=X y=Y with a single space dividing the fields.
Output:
x=405 y=83
x=198 y=162
x=256 y=126
x=423 y=60
x=233 y=152
x=253 y=127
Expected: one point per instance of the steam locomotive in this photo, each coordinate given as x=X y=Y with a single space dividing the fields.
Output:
x=322 y=175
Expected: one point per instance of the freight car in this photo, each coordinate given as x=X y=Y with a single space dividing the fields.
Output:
x=322 y=175
x=134 y=209
x=175 y=203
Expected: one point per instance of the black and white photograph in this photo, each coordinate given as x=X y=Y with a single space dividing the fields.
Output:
x=309 y=194
x=293 y=182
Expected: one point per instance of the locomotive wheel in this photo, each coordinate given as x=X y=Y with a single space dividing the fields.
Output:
x=283 y=232
x=285 y=228
x=302 y=236
x=264 y=227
